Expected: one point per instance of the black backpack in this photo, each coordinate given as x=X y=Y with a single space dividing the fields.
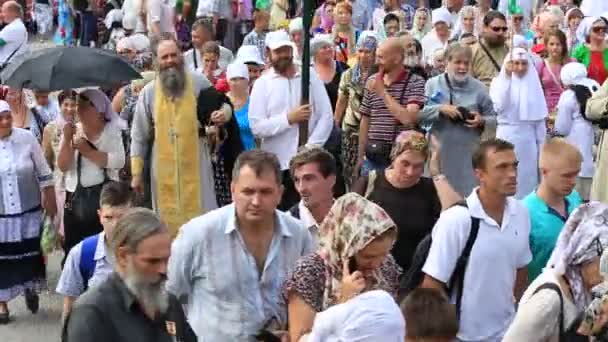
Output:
x=414 y=275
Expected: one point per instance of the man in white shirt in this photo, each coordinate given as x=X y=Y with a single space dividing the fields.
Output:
x=202 y=32
x=275 y=109
x=160 y=17
x=496 y=272
x=13 y=37
x=314 y=176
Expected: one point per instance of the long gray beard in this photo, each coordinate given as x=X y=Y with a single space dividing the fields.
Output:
x=173 y=81
x=153 y=297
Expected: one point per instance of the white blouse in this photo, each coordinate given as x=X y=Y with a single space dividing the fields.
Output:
x=110 y=142
x=537 y=317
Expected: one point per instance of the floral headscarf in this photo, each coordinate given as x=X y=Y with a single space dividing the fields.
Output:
x=584 y=235
x=351 y=224
x=367 y=40
x=409 y=141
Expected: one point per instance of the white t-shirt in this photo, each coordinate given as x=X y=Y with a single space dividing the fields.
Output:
x=160 y=11
x=15 y=36
x=488 y=305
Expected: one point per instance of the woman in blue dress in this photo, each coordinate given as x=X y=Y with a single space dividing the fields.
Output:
x=237 y=75
x=65 y=24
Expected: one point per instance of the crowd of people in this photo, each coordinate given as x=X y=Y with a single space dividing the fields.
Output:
x=446 y=179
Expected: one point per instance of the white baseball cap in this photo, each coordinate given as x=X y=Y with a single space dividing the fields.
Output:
x=237 y=70
x=249 y=54
x=277 y=39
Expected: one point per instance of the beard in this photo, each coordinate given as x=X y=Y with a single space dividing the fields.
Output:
x=281 y=65
x=173 y=80
x=151 y=295
x=458 y=78
x=495 y=42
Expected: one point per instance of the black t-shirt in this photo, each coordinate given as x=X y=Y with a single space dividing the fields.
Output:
x=333 y=86
x=414 y=210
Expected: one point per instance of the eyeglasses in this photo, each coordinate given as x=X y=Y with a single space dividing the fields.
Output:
x=599 y=29
x=499 y=29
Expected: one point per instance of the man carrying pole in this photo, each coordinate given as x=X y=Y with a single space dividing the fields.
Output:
x=276 y=109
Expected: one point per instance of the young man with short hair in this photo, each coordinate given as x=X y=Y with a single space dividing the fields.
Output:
x=553 y=201
x=257 y=36
x=496 y=272
x=314 y=175
x=88 y=263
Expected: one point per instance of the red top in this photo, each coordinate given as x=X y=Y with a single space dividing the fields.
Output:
x=596 y=69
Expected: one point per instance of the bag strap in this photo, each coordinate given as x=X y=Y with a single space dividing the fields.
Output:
x=79 y=166
x=8 y=59
x=457 y=278
x=556 y=288
x=450 y=89
x=485 y=49
x=38 y=120
x=87 y=259
x=194 y=53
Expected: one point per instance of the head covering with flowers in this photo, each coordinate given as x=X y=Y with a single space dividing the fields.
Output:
x=583 y=238
x=595 y=318
x=409 y=141
x=351 y=224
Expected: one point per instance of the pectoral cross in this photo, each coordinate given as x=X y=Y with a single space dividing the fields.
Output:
x=172 y=134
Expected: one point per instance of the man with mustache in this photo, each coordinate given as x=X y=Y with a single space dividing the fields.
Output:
x=170 y=121
x=491 y=49
x=132 y=304
x=275 y=109
x=458 y=106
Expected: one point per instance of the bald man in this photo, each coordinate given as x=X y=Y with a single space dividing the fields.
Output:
x=391 y=101
x=13 y=37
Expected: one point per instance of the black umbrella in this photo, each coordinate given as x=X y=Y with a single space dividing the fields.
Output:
x=60 y=68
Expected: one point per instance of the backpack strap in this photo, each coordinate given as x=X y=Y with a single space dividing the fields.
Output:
x=87 y=259
x=457 y=278
x=556 y=288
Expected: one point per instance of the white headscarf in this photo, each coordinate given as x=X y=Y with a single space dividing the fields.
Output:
x=584 y=28
x=582 y=239
x=370 y=317
x=103 y=105
x=523 y=93
x=575 y=73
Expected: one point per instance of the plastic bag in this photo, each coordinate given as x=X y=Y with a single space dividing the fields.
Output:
x=49 y=239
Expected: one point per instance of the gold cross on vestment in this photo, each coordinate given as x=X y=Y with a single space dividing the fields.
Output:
x=172 y=134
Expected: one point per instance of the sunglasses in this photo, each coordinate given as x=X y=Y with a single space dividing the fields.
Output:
x=518 y=18
x=499 y=29
x=599 y=29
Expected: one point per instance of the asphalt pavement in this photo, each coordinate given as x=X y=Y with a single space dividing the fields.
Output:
x=45 y=326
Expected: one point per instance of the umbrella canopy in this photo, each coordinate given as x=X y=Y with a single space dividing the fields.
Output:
x=67 y=67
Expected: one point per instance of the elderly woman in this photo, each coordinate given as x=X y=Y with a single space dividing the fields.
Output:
x=344 y=33
x=519 y=25
x=439 y=36
x=24 y=116
x=27 y=189
x=350 y=94
x=50 y=144
x=422 y=23
x=90 y=153
x=371 y=316
x=353 y=257
x=563 y=291
x=458 y=107
x=329 y=70
x=593 y=53
x=521 y=118
x=401 y=190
